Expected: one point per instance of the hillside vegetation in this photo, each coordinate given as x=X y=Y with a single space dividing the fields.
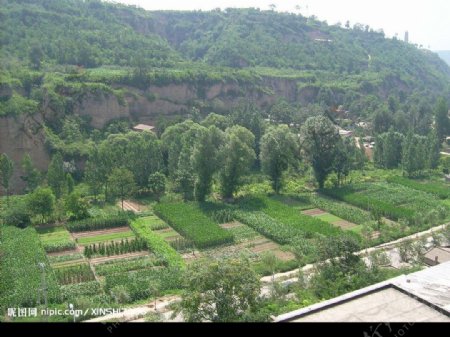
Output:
x=44 y=44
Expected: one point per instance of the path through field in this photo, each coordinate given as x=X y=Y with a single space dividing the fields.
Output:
x=129 y=205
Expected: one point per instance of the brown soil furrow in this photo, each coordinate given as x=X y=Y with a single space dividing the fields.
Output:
x=313 y=212
x=100 y=232
x=102 y=259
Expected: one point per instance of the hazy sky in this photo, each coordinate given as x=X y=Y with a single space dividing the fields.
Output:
x=428 y=22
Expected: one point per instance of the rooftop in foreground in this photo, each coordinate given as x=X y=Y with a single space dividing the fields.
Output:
x=423 y=296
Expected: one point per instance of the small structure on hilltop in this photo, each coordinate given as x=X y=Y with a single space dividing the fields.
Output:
x=144 y=127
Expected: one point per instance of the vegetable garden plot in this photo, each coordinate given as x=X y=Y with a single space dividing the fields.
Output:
x=74 y=274
x=391 y=200
x=56 y=239
x=20 y=275
x=189 y=220
x=115 y=236
x=439 y=189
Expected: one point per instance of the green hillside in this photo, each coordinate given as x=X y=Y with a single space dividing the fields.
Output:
x=44 y=43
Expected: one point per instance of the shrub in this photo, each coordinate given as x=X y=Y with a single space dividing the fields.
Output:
x=93 y=224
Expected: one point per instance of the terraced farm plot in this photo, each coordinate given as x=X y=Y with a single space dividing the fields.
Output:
x=154 y=222
x=330 y=218
x=85 y=238
x=56 y=239
x=189 y=220
x=391 y=200
x=247 y=239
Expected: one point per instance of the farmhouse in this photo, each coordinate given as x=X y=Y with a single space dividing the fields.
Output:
x=423 y=296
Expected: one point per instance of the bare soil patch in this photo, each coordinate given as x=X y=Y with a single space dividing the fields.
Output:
x=283 y=256
x=129 y=205
x=102 y=259
x=100 y=232
x=314 y=212
x=344 y=224
x=233 y=224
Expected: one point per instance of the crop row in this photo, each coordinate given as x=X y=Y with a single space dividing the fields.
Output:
x=341 y=209
x=439 y=189
x=189 y=220
x=52 y=247
x=65 y=258
x=72 y=292
x=125 y=265
x=269 y=227
x=155 y=243
x=20 y=275
x=290 y=216
x=378 y=204
x=74 y=274
x=115 y=248
x=137 y=282
x=92 y=224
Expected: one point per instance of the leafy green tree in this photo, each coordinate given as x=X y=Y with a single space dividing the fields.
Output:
x=41 y=202
x=220 y=291
x=237 y=157
x=247 y=114
x=320 y=139
x=177 y=142
x=279 y=149
x=70 y=183
x=76 y=206
x=157 y=184
x=93 y=177
x=122 y=184
x=36 y=54
x=218 y=121
x=442 y=121
x=433 y=150
x=56 y=178
x=414 y=154
x=382 y=120
x=205 y=160
x=282 y=112
x=6 y=172
x=31 y=175
x=17 y=214
x=388 y=149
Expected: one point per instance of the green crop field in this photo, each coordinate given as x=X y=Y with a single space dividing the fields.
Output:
x=55 y=239
x=105 y=237
x=391 y=200
x=189 y=220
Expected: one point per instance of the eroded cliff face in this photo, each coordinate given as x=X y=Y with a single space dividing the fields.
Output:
x=25 y=133
x=21 y=135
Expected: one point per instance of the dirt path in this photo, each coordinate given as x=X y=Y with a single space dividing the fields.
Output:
x=129 y=205
x=314 y=212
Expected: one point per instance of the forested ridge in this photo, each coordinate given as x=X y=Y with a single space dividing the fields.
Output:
x=350 y=64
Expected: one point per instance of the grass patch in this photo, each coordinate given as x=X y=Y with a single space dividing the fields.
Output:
x=328 y=218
